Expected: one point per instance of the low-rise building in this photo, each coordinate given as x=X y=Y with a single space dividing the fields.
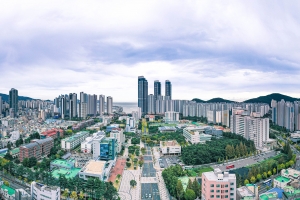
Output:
x=6 y=191
x=281 y=181
x=110 y=127
x=40 y=191
x=196 y=134
x=87 y=145
x=54 y=133
x=74 y=141
x=94 y=168
x=216 y=185
x=248 y=192
x=170 y=147
x=68 y=173
x=59 y=163
x=120 y=137
x=269 y=196
x=37 y=148
x=290 y=173
x=291 y=193
x=167 y=129
x=21 y=194
x=295 y=137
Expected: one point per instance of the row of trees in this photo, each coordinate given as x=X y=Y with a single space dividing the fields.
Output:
x=175 y=187
x=156 y=138
x=216 y=149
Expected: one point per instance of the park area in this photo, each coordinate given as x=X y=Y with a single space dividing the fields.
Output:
x=197 y=172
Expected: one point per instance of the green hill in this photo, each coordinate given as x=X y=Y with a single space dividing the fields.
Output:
x=5 y=97
x=268 y=98
x=214 y=100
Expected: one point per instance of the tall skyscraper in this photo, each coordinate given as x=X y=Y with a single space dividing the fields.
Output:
x=73 y=105
x=109 y=104
x=143 y=94
x=168 y=89
x=101 y=104
x=157 y=89
x=13 y=100
x=83 y=105
x=151 y=103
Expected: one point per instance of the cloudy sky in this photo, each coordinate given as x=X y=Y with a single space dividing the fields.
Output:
x=230 y=49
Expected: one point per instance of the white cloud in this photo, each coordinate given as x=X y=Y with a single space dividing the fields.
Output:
x=231 y=49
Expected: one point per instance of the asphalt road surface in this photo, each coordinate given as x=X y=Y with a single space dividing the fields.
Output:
x=150 y=191
x=246 y=161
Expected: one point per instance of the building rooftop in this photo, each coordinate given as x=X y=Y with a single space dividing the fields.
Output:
x=10 y=190
x=74 y=137
x=282 y=179
x=269 y=195
x=169 y=143
x=64 y=163
x=245 y=192
x=15 y=150
x=69 y=173
x=94 y=167
x=217 y=175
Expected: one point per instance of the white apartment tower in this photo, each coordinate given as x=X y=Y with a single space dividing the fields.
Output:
x=109 y=104
x=101 y=104
x=151 y=104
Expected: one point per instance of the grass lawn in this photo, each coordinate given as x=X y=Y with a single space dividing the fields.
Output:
x=205 y=169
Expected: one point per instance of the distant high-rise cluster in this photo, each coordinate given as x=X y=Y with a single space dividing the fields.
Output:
x=286 y=114
x=154 y=103
x=87 y=105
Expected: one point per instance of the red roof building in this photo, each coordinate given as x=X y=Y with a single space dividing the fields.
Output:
x=53 y=133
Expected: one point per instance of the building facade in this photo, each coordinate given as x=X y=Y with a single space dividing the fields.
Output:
x=143 y=94
x=74 y=141
x=196 y=135
x=170 y=147
x=13 y=101
x=117 y=133
x=216 y=185
x=109 y=104
x=40 y=191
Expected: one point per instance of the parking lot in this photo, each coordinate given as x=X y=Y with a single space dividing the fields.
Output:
x=149 y=191
x=148 y=170
x=168 y=161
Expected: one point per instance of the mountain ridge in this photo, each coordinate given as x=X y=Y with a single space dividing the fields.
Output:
x=5 y=97
x=261 y=99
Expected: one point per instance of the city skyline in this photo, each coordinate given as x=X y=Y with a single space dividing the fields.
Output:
x=97 y=49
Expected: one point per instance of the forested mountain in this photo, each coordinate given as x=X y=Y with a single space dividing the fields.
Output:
x=5 y=97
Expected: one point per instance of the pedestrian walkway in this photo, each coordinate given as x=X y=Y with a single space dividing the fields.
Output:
x=163 y=191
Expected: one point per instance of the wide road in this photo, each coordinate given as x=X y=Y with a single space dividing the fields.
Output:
x=245 y=161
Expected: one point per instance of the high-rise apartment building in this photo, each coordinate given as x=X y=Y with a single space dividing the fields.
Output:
x=143 y=94
x=73 y=105
x=216 y=185
x=101 y=104
x=109 y=104
x=13 y=100
x=168 y=89
x=157 y=89
x=151 y=104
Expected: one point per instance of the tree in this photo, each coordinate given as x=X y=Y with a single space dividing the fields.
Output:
x=189 y=195
x=65 y=194
x=190 y=185
x=128 y=164
x=6 y=183
x=259 y=177
x=246 y=182
x=274 y=170
x=74 y=195
x=81 y=195
x=133 y=183
x=265 y=175
x=269 y=173
x=25 y=162
x=252 y=180
x=196 y=187
x=118 y=176
x=179 y=190
x=32 y=161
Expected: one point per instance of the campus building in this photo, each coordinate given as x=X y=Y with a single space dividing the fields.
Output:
x=120 y=137
x=196 y=134
x=170 y=147
x=40 y=191
x=59 y=163
x=87 y=145
x=104 y=148
x=216 y=185
x=74 y=141
x=54 y=133
x=96 y=168
x=37 y=149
